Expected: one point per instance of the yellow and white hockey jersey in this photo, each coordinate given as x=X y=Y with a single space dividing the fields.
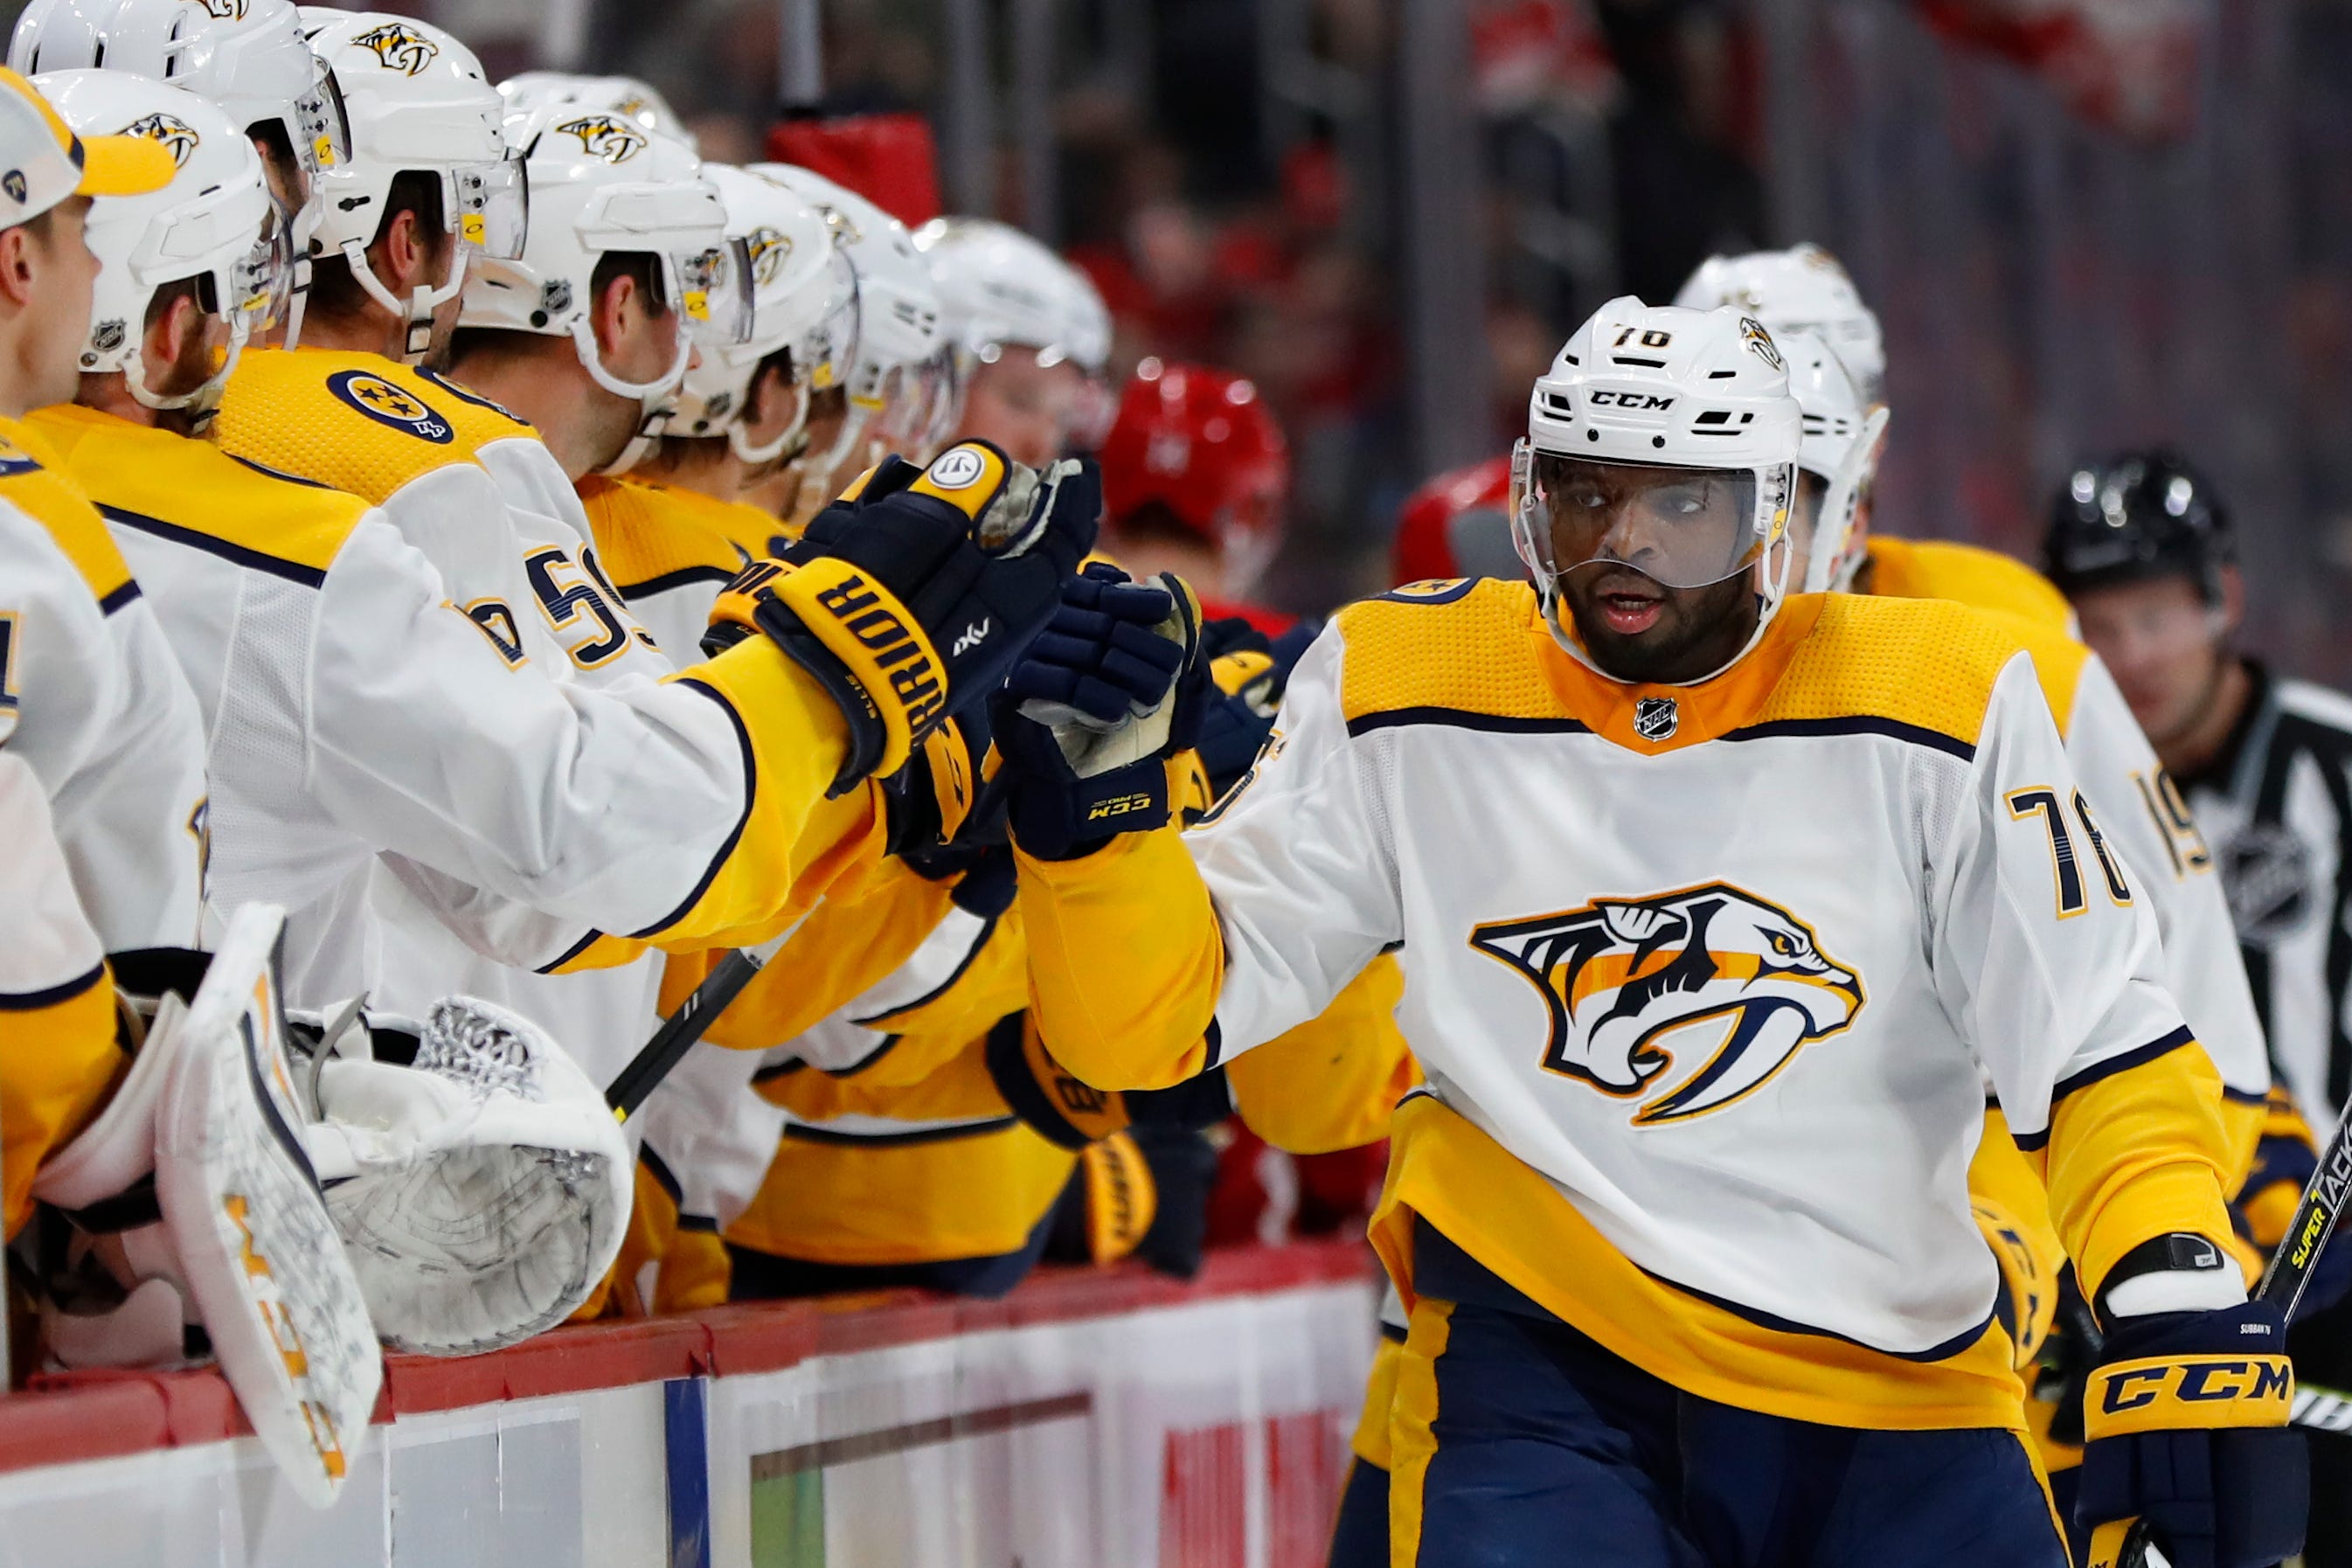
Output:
x=58 y=1058
x=686 y=811
x=1965 y=573
x=667 y=550
x=91 y=699
x=1700 y=978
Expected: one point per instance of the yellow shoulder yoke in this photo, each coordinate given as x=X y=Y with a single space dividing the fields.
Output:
x=647 y=532
x=1925 y=664
x=357 y=422
x=32 y=479
x=1460 y=644
x=1946 y=569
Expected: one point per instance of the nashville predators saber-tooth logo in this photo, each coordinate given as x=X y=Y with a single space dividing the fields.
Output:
x=768 y=251
x=400 y=47
x=614 y=140
x=223 y=10
x=1729 y=984
x=176 y=136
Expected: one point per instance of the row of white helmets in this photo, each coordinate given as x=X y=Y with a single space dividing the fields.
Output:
x=1767 y=365
x=542 y=177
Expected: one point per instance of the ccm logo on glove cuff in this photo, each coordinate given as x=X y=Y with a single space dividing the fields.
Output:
x=2168 y=1393
x=863 y=625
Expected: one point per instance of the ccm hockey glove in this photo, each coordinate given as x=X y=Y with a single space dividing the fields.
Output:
x=1063 y=1108
x=2185 y=1422
x=910 y=597
x=1091 y=714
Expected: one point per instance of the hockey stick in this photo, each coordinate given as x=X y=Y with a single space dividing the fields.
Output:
x=2283 y=1280
x=682 y=1029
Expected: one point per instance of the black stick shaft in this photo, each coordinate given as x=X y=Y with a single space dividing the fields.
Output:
x=679 y=1031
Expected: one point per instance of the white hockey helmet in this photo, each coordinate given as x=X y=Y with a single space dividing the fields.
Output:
x=216 y=223
x=418 y=101
x=1841 y=448
x=803 y=299
x=1693 y=408
x=248 y=57
x=1802 y=290
x=626 y=96
x=997 y=287
x=598 y=186
x=900 y=370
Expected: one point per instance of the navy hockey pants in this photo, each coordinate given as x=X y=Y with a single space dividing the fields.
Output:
x=1519 y=1443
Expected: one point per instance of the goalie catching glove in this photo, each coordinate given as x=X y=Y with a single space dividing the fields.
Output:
x=481 y=1190
x=910 y=596
x=192 y=1202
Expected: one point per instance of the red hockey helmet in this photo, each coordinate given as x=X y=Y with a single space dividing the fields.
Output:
x=1458 y=525
x=1199 y=444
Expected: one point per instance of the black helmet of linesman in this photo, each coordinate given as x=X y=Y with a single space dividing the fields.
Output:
x=2137 y=516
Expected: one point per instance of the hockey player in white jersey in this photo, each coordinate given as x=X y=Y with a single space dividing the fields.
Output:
x=169 y=1116
x=1711 y=904
x=1028 y=335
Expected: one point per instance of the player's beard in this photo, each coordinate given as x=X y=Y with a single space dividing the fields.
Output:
x=1696 y=631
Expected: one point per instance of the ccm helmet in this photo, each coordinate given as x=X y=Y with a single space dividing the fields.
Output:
x=417 y=102
x=1689 y=411
x=214 y=223
x=2135 y=516
x=601 y=185
x=1804 y=289
x=1841 y=447
x=803 y=300
x=899 y=373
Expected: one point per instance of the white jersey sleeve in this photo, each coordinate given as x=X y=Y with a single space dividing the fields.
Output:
x=91 y=699
x=2043 y=955
x=1299 y=864
x=2145 y=818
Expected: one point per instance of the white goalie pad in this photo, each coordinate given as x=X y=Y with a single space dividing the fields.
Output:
x=244 y=1239
x=482 y=1192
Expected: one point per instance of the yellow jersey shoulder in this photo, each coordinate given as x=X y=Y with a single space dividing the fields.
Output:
x=1464 y=645
x=1926 y=665
x=356 y=421
x=1945 y=568
x=32 y=479
x=649 y=535
x=162 y=482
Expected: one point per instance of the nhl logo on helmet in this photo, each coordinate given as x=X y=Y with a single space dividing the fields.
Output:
x=13 y=182
x=1656 y=717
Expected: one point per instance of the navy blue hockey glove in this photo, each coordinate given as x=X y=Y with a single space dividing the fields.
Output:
x=910 y=597
x=1250 y=670
x=2185 y=1426
x=2285 y=1159
x=1088 y=717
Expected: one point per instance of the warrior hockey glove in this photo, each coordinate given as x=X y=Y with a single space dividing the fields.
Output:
x=1088 y=717
x=908 y=598
x=1063 y=1108
x=2185 y=1421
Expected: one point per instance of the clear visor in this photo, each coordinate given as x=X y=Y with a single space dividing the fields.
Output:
x=493 y=205
x=1683 y=528
x=714 y=293
x=821 y=356
x=922 y=404
x=262 y=282
x=325 y=138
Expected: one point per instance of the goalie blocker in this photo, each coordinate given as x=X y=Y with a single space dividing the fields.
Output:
x=194 y=1192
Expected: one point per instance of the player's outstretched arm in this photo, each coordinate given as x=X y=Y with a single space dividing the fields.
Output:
x=1155 y=955
x=719 y=804
x=2049 y=958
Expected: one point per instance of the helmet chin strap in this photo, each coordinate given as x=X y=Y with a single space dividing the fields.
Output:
x=204 y=399
x=656 y=399
x=418 y=312
x=793 y=441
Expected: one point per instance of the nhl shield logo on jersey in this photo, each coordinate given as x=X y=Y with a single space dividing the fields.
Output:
x=399 y=47
x=176 y=135
x=613 y=140
x=1712 y=976
x=1656 y=717
x=394 y=406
